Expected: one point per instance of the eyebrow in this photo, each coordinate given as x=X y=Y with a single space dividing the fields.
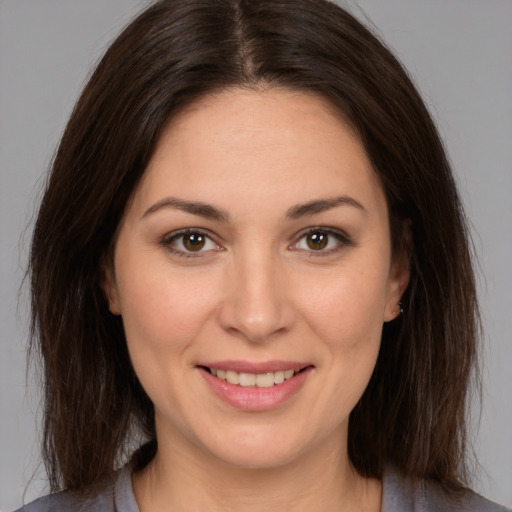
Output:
x=211 y=212
x=194 y=207
x=321 y=205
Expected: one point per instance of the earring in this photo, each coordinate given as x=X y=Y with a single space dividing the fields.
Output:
x=399 y=312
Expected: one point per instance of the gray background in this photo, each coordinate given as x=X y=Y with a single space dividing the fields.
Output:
x=458 y=51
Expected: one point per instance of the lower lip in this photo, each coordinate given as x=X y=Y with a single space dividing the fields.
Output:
x=253 y=398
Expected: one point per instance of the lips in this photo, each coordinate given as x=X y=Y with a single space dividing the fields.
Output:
x=255 y=386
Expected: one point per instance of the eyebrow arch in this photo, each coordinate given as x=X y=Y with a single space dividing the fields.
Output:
x=194 y=207
x=321 y=205
x=211 y=212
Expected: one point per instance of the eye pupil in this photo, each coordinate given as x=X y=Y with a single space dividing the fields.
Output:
x=317 y=240
x=194 y=241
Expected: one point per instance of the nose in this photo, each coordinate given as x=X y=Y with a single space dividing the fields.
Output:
x=256 y=305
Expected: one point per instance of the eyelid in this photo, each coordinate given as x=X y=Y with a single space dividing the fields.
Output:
x=343 y=239
x=167 y=240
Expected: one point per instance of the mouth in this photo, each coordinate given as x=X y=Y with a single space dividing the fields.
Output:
x=254 y=380
x=250 y=386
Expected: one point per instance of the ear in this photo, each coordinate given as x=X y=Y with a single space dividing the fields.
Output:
x=399 y=277
x=109 y=287
x=397 y=284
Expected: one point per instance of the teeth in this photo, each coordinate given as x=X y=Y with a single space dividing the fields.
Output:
x=247 y=379
x=278 y=377
x=265 y=380
x=232 y=377
x=259 y=380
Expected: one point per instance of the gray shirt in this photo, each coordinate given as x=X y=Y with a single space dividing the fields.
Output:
x=398 y=496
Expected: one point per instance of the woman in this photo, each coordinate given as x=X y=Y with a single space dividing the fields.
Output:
x=252 y=261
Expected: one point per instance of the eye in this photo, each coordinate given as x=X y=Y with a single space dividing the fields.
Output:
x=321 y=240
x=189 y=243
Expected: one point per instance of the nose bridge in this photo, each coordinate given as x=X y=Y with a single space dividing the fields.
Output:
x=256 y=305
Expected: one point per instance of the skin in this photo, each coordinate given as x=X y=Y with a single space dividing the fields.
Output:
x=256 y=292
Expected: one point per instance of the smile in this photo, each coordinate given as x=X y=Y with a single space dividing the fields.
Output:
x=255 y=386
x=258 y=380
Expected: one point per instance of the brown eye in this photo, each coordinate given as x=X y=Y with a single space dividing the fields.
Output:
x=321 y=242
x=317 y=240
x=189 y=243
x=194 y=241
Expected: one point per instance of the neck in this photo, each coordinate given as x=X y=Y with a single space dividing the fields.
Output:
x=322 y=480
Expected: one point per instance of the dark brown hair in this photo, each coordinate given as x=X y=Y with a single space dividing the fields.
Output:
x=412 y=414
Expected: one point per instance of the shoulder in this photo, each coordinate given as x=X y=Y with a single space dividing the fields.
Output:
x=117 y=496
x=64 y=502
x=434 y=498
x=104 y=501
x=400 y=495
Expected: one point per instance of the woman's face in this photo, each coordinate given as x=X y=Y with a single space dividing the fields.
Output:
x=256 y=249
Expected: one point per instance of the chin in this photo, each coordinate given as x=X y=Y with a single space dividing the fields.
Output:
x=259 y=450
x=258 y=459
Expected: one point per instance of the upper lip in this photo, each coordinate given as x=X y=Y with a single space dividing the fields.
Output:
x=255 y=367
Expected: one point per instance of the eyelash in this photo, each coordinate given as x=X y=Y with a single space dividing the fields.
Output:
x=342 y=239
x=168 y=240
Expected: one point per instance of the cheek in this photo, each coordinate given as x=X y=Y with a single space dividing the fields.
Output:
x=162 y=316
x=344 y=312
x=162 y=312
x=347 y=307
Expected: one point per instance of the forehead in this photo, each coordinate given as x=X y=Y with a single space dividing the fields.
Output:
x=241 y=118
x=259 y=146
